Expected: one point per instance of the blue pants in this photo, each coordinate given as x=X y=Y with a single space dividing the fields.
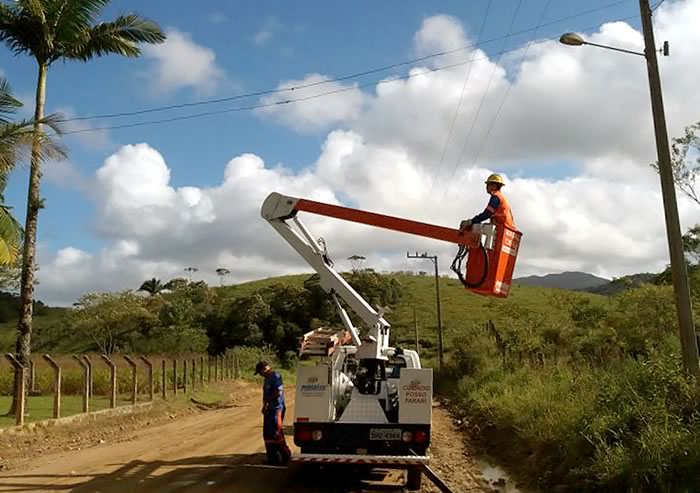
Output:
x=275 y=444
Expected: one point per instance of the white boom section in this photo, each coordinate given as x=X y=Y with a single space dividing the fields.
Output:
x=278 y=210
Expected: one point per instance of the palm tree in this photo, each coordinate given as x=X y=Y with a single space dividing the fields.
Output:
x=152 y=286
x=15 y=140
x=51 y=30
x=222 y=272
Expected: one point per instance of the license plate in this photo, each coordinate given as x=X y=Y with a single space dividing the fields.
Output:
x=384 y=434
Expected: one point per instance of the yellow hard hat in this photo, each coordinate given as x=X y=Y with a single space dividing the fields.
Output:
x=495 y=178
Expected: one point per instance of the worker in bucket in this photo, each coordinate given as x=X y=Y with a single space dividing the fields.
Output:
x=497 y=209
x=273 y=411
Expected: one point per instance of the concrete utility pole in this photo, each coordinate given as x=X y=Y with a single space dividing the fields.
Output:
x=679 y=271
x=437 y=293
x=689 y=344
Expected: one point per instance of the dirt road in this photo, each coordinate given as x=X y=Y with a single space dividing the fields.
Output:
x=207 y=451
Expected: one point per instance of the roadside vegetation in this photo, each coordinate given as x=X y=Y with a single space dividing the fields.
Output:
x=587 y=391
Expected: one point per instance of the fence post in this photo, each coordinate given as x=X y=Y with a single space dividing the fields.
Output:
x=184 y=376
x=56 y=385
x=194 y=373
x=164 y=378
x=208 y=368
x=175 y=376
x=32 y=376
x=149 y=365
x=20 y=385
x=134 y=379
x=86 y=385
x=201 y=371
x=112 y=381
x=88 y=362
x=236 y=367
x=227 y=369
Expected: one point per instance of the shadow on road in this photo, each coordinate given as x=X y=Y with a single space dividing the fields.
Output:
x=231 y=473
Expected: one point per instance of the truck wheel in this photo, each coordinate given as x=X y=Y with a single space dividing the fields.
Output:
x=414 y=478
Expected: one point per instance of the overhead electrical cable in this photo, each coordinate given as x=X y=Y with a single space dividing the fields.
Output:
x=375 y=83
x=481 y=103
x=456 y=112
x=509 y=85
x=337 y=79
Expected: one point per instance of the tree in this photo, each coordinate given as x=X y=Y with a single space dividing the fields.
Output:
x=15 y=139
x=222 y=272
x=176 y=284
x=51 y=30
x=190 y=271
x=686 y=168
x=152 y=286
x=110 y=320
x=691 y=243
x=356 y=261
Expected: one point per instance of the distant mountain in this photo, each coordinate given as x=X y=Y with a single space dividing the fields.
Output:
x=565 y=280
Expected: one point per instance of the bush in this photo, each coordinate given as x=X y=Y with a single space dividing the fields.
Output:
x=248 y=357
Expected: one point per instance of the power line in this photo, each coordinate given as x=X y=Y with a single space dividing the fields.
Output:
x=653 y=9
x=311 y=97
x=280 y=103
x=457 y=108
x=337 y=79
x=505 y=95
x=481 y=103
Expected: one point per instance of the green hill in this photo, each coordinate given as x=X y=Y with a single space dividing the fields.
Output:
x=460 y=309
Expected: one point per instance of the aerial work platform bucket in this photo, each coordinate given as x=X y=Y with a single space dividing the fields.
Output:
x=490 y=271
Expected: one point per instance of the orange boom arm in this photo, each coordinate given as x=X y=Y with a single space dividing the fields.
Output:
x=388 y=222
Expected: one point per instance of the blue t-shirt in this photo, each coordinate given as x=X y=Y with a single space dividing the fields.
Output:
x=273 y=391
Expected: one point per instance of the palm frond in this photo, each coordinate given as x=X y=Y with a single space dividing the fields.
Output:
x=11 y=237
x=24 y=32
x=17 y=139
x=8 y=104
x=35 y=8
x=120 y=36
x=70 y=18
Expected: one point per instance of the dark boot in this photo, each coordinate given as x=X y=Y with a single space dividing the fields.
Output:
x=273 y=454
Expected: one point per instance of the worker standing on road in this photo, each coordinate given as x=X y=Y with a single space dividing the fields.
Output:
x=273 y=411
x=497 y=209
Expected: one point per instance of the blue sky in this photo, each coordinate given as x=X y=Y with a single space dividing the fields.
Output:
x=257 y=45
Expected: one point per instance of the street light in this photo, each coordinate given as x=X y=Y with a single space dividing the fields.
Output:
x=573 y=39
x=434 y=258
x=689 y=343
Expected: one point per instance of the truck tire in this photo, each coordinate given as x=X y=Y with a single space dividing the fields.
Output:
x=414 y=477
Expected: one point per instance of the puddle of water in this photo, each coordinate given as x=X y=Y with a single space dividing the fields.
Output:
x=497 y=478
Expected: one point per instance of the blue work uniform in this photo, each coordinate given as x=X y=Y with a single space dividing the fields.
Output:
x=273 y=414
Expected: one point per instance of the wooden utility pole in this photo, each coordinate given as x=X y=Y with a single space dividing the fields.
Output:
x=689 y=343
x=437 y=295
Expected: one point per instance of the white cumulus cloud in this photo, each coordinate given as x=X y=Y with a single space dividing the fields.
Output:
x=340 y=104
x=182 y=63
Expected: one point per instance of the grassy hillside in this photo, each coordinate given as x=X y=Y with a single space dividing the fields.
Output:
x=461 y=309
x=8 y=330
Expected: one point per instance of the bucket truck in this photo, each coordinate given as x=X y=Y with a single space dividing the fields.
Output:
x=365 y=402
